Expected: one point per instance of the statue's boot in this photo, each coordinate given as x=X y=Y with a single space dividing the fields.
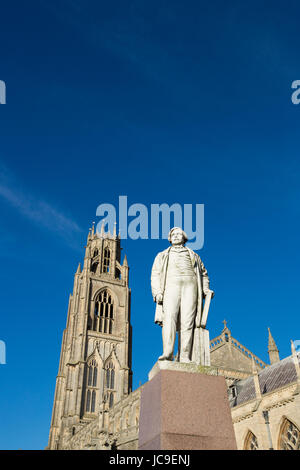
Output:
x=185 y=359
x=165 y=358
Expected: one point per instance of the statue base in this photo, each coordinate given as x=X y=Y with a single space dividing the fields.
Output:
x=185 y=407
x=190 y=367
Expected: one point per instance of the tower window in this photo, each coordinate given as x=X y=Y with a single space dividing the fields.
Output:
x=94 y=267
x=110 y=376
x=88 y=401
x=103 y=313
x=93 y=401
x=110 y=383
x=91 y=393
x=111 y=400
x=95 y=377
x=106 y=260
x=90 y=375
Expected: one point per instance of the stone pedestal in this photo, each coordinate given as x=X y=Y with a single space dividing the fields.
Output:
x=185 y=408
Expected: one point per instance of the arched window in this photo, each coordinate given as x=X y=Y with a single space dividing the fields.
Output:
x=289 y=438
x=110 y=376
x=93 y=401
x=94 y=267
x=91 y=393
x=88 y=401
x=106 y=260
x=92 y=373
x=95 y=377
x=95 y=253
x=110 y=383
x=251 y=442
x=111 y=400
x=104 y=313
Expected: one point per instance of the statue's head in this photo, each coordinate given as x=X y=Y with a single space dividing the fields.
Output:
x=177 y=236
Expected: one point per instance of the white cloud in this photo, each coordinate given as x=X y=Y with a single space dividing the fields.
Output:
x=36 y=210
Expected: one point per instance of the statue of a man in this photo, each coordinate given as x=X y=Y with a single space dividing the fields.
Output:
x=179 y=281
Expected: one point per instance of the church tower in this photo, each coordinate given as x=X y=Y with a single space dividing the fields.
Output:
x=95 y=360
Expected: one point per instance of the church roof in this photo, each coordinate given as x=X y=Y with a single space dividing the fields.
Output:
x=228 y=352
x=271 y=378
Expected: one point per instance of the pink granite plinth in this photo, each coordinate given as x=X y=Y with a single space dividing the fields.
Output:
x=185 y=411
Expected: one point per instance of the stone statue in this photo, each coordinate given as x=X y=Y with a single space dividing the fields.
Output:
x=179 y=283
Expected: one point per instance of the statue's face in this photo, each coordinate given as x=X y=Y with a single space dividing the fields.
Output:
x=177 y=237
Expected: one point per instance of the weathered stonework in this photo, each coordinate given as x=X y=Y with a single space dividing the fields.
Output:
x=95 y=362
x=98 y=336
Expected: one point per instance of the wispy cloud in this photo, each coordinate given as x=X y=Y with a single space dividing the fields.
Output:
x=38 y=211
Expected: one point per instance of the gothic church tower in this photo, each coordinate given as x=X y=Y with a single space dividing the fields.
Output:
x=95 y=360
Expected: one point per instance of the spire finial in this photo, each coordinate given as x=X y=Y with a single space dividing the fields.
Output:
x=272 y=345
x=272 y=349
x=78 y=269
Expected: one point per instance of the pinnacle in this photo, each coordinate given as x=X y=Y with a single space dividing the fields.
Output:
x=254 y=369
x=271 y=345
x=78 y=269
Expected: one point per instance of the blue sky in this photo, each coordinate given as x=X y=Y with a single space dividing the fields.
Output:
x=162 y=101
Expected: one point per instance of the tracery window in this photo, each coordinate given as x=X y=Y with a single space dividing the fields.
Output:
x=93 y=401
x=111 y=400
x=110 y=383
x=91 y=393
x=106 y=260
x=289 y=437
x=104 y=313
x=88 y=401
x=251 y=442
x=92 y=373
x=110 y=375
